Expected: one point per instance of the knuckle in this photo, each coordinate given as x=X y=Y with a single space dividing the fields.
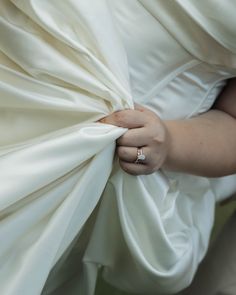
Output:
x=120 y=141
x=160 y=137
x=150 y=168
x=128 y=169
x=125 y=136
x=121 y=151
x=124 y=166
x=120 y=118
x=123 y=139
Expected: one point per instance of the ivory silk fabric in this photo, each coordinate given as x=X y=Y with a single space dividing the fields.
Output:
x=66 y=207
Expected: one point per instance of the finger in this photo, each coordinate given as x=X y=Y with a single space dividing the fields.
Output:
x=140 y=108
x=133 y=138
x=127 y=154
x=130 y=154
x=126 y=119
x=135 y=169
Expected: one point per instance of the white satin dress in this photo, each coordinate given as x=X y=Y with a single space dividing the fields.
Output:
x=67 y=210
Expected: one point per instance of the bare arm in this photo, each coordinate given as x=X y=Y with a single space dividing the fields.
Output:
x=204 y=145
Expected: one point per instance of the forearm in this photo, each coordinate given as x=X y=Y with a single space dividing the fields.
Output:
x=205 y=145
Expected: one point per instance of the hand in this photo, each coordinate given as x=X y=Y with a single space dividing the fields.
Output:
x=146 y=131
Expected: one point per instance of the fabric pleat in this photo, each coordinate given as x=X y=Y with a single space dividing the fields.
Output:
x=67 y=210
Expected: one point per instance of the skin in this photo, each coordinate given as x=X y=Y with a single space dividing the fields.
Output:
x=204 y=145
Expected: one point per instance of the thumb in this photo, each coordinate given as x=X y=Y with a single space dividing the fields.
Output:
x=126 y=119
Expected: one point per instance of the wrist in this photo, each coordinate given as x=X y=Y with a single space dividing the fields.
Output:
x=168 y=146
x=170 y=162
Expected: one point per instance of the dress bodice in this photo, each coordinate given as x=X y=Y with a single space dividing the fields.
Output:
x=164 y=74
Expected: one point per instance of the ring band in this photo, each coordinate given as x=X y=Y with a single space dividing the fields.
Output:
x=140 y=156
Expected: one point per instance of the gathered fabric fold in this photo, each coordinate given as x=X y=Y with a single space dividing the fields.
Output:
x=67 y=210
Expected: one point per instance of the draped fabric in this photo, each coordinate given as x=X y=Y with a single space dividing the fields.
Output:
x=67 y=209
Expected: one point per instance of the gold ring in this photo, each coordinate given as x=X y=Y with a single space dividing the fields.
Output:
x=140 y=156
